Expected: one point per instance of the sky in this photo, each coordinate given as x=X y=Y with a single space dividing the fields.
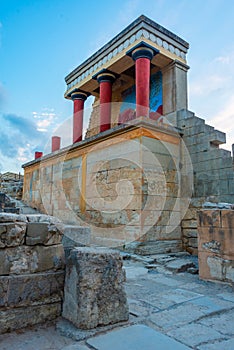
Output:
x=41 y=41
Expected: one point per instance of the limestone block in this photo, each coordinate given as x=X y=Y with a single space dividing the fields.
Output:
x=26 y=260
x=31 y=289
x=12 y=234
x=43 y=218
x=209 y=218
x=227 y=219
x=76 y=235
x=216 y=240
x=42 y=233
x=154 y=247
x=190 y=232
x=8 y=217
x=17 y=318
x=191 y=214
x=94 y=293
x=189 y=223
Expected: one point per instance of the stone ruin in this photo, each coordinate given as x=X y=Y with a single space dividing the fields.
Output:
x=35 y=287
x=135 y=181
x=12 y=184
x=146 y=164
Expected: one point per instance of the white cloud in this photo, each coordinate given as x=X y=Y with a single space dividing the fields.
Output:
x=216 y=75
x=45 y=119
x=205 y=86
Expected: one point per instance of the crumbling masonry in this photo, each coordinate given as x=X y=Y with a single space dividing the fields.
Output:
x=146 y=164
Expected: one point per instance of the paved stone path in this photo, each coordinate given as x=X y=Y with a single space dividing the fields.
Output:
x=168 y=311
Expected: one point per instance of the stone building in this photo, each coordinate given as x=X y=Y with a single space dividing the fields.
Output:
x=146 y=163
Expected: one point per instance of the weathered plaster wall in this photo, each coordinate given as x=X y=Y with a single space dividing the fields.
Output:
x=31 y=270
x=215 y=245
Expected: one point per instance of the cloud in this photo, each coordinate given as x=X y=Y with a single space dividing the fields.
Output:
x=19 y=124
x=45 y=119
x=211 y=93
x=19 y=138
x=212 y=83
x=215 y=75
x=223 y=120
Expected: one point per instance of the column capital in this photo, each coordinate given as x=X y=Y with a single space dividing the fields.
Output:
x=78 y=94
x=142 y=50
x=105 y=75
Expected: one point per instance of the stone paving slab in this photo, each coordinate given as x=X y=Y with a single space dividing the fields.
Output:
x=211 y=304
x=75 y=346
x=223 y=323
x=164 y=280
x=139 y=308
x=137 y=337
x=177 y=316
x=201 y=334
x=227 y=296
x=222 y=345
x=188 y=312
x=167 y=299
x=133 y=272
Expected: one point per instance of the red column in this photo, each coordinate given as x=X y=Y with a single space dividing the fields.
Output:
x=38 y=155
x=78 y=97
x=56 y=140
x=142 y=67
x=105 y=79
x=105 y=105
x=142 y=54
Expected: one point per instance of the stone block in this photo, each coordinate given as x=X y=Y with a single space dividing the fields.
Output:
x=189 y=224
x=227 y=219
x=42 y=233
x=12 y=234
x=155 y=247
x=94 y=293
x=76 y=236
x=216 y=240
x=13 y=319
x=8 y=217
x=26 y=260
x=31 y=289
x=190 y=233
x=209 y=218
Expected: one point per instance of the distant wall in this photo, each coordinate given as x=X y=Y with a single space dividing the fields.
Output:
x=31 y=270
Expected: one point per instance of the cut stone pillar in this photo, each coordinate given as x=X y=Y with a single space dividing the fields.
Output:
x=174 y=89
x=94 y=293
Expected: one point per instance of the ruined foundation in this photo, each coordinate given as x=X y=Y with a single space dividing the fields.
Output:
x=31 y=270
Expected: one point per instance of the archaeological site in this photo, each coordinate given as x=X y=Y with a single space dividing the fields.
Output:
x=132 y=221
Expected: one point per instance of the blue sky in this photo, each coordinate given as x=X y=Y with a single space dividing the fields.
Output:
x=41 y=41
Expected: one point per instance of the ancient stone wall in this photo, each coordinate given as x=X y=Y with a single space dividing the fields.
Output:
x=31 y=270
x=212 y=168
x=126 y=188
x=215 y=245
